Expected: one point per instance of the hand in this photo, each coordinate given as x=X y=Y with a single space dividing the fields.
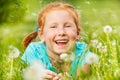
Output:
x=58 y=77
x=49 y=75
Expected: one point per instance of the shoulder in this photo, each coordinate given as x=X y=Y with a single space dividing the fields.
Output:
x=36 y=44
x=35 y=47
x=33 y=52
x=80 y=47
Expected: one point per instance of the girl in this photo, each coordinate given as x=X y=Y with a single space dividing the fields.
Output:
x=58 y=30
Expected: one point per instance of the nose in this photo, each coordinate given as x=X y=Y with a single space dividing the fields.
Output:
x=61 y=32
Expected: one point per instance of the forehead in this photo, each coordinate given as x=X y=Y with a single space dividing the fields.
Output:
x=58 y=15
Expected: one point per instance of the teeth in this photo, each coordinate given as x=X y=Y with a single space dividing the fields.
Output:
x=61 y=41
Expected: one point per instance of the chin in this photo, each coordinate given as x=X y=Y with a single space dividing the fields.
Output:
x=61 y=52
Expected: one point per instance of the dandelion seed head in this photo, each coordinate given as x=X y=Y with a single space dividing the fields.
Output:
x=107 y=29
x=99 y=45
x=94 y=43
x=13 y=52
x=103 y=49
x=67 y=57
x=92 y=58
x=64 y=57
x=34 y=72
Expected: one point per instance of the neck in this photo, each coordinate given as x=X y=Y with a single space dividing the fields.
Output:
x=54 y=56
x=58 y=64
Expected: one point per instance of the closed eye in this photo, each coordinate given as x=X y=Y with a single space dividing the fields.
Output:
x=67 y=26
x=53 y=27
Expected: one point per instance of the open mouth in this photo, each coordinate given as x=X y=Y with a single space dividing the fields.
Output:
x=61 y=42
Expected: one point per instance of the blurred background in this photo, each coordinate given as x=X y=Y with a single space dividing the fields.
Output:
x=19 y=17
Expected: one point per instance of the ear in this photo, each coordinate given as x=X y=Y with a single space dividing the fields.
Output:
x=78 y=34
x=41 y=35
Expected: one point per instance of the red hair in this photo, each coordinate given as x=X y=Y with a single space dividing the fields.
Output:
x=42 y=16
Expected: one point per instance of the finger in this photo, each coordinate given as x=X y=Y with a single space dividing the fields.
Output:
x=51 y=73
x=56 y=78
x=59 y=75
x=48 y=76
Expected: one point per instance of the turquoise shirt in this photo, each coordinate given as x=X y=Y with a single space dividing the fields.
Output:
x=36 y=51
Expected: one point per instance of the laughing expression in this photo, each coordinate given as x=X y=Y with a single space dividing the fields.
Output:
x=59 y=31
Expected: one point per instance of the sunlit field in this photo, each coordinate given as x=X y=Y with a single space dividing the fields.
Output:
x=100 y=29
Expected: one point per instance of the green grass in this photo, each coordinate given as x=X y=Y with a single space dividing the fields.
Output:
x=94 y=16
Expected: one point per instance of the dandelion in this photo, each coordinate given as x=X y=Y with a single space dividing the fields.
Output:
x=92 y=58
x=13 y=52
x=103 y=49
x=99 y=45
x=34 y=72
x=94 y=43
x=67 y=57
x=107 y=29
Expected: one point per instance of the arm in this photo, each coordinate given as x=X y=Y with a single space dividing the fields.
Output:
x=35 y=63
x=83 y=72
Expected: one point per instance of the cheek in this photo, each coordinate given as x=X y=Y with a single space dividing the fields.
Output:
x=72 y=34
x=49 y=35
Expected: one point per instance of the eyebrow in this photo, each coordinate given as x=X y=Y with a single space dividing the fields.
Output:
x=69 y=22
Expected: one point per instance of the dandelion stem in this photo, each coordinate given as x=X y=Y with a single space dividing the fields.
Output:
x=11 y=68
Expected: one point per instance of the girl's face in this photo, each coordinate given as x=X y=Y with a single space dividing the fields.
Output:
x=60 y=32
